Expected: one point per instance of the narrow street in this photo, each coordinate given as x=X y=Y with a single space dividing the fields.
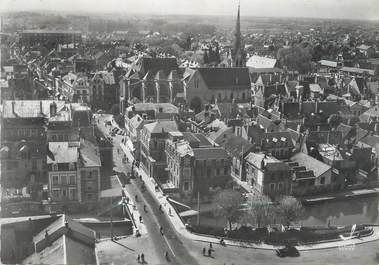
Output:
x=153 y=218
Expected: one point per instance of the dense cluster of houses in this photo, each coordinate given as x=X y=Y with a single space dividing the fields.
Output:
x=192 y=127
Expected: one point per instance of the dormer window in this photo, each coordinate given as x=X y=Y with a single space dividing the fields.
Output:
x=55 y=167
x=71 y=166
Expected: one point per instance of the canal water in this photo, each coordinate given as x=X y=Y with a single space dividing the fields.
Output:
x=362 y=210
x=350 y=211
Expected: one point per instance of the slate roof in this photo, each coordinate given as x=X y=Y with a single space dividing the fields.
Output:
x=256 y=61
x=310 y=163
x=344 y=129
x=225 y=77
x=63 y=152
x=270 y=162
x=161 y=126
x=208 y=153
x=328 y=63
x=147 y=64
x=235 y=144
x=29 y=108
x=89 y=154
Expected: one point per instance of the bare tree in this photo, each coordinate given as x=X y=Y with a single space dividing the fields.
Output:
x=260 y=211
x=228 y=204
x=289 y=209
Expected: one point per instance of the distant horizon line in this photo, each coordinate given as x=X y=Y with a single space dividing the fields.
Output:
x=181 y=14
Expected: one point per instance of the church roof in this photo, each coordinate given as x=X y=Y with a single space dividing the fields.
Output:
x=225 y=77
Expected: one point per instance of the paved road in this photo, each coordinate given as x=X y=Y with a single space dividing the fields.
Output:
x=187 y=251
x=153 y=219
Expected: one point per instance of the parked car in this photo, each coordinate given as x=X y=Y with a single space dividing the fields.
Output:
x=287 y=251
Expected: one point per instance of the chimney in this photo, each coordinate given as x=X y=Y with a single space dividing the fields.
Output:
x=13 y=103
x=316 y=106
x=53 y=109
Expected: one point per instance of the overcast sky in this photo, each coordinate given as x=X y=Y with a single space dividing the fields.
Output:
x=355 y=9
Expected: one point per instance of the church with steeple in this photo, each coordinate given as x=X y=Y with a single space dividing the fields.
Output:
x=238 y=52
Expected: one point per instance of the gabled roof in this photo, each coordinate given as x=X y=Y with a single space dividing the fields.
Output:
x=310 y=163
x=270 y=163
x=74 y=244
x=89 y=154
x=225 y=77
x=328 y=63
x=363 y=47
x=234 y=145
x=161 y=126
x=261 y=62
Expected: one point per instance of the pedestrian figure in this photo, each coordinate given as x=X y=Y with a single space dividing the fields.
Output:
x=136 y=197
x=140 y=177
x=169 y=211
x=210 y=245
x=143 y=258
x=166 y=255
x=204 y=250
x=161 y=230
x=140 y=219
x=144 y=208
x=160 y=207
x=210 y=252
x=138 y=258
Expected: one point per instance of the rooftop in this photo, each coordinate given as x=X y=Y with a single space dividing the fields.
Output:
x=261 y=62
x=29 y=108
x=63 y=152
x=310 y=163
x=161 y=126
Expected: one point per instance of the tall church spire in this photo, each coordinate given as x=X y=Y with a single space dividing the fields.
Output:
x=239 y=58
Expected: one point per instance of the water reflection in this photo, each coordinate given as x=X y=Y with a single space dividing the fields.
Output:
x=351 y=211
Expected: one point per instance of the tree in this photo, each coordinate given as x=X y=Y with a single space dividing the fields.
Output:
x=289 y=209
x=334 y=120
x=228 y=204
x=261 y=211
x=295 y=58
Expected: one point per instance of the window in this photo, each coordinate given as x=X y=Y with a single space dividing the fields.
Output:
x=90 y=185
x=65 y=137
x=322 y=180
x=55 y=180
x=34 y=164
x=225 y=170
x=71 y=166
x=63 y=180
x=272 y=187
x=64 y=193
x=55 y=167
x=94 y=174
x=280 y=186
x=55 y=194
x=54 y=138
x=72 y=179
x=60 y=137
x=72 y=194
x=186 y=185
x=218 y=171
x=89 y=196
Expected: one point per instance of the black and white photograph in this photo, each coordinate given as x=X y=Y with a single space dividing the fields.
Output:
x=189 y=132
